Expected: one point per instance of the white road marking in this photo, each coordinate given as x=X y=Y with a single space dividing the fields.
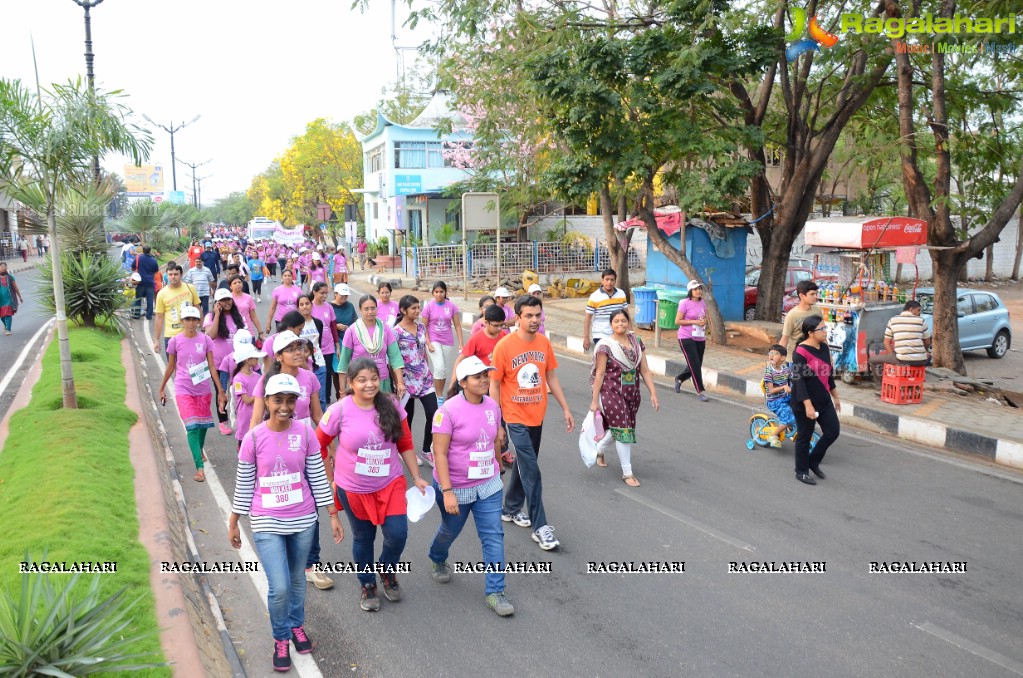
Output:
x=686 y=520
x=972 y=647
x=22 y=356
x=304 y=663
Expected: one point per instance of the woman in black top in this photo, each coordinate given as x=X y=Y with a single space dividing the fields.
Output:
x=814 y=399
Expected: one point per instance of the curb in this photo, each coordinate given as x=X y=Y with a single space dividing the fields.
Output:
x=152 y=414
x=924 y=431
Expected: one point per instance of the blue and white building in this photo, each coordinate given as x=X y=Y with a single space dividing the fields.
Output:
x=406 y=169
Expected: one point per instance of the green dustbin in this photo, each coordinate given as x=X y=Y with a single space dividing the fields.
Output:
x=668 y=307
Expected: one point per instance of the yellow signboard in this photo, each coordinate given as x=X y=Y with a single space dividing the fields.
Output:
x=143 y=180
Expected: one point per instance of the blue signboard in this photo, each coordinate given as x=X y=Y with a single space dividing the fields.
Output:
x=406 y=184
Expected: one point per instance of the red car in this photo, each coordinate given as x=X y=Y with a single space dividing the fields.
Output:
x=792 y=276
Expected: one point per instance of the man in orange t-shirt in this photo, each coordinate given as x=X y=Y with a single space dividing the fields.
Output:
x=524 y=365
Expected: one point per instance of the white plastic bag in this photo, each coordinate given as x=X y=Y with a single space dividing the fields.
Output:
x=588 y=441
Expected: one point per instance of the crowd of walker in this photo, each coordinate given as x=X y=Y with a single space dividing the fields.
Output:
x=324 y=395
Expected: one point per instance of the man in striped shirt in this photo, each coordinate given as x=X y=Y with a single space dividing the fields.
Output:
x=599 y=308
x=907 y=337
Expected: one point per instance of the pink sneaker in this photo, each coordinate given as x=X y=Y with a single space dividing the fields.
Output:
x=225 y=429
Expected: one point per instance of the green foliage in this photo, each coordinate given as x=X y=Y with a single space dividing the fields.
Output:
x=80 y=216
x=235 y=210
x=68 y=629
x=143 y=219
x=92 y=289
x=400 y=101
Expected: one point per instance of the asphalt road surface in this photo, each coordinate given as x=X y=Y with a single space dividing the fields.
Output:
x=27 y=321
x=704 y=500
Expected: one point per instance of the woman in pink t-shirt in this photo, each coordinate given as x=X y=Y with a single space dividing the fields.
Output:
x=340 y=267
x=190 y=361
x=387 y=310
x=439 y=317
x=244 y=378
x=283 y=299
x=279 y=484
x=246 y=305
x=466 y=438
x=371 y=432
x=317 y=271
x=691 y=319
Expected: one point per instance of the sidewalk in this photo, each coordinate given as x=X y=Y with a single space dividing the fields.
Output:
x=942 y=420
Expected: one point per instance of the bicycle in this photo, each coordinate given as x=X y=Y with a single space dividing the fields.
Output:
x=761 y=424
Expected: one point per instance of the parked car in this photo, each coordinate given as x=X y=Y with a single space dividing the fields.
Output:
x=983 y=320
x=792 y=277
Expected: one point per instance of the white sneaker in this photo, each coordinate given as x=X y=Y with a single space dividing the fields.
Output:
x=318 y=579
x=544 y=536
x=520 y=519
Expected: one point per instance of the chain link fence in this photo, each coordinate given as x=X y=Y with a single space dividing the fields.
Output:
x=445 y=262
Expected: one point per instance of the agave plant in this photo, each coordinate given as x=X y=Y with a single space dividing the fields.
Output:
x=93 y=290
x=68 y=629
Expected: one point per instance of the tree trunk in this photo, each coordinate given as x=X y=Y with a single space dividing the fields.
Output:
x=989 y=263
x=67 y=377
x=1019 y=244
x=716 y=331
x=619 y=254
x=946 y=319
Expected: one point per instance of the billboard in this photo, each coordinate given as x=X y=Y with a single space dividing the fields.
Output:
x=143 y=181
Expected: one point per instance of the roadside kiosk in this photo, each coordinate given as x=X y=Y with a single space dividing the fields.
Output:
x=859 y=304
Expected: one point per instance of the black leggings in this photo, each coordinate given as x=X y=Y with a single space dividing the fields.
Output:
x=430 y=406
x=827 y=417
x=271 y=266
x=257 y=286
x=692 y=353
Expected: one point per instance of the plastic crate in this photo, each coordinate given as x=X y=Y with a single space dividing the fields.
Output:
x=901 y=392
x=911 y=374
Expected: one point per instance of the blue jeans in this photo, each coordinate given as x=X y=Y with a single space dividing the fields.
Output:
x=487 y=515
x=321 y=378
x=525 y=485
x=314 y=549
x=282 y=556
x=147 y=292
x=395 y=529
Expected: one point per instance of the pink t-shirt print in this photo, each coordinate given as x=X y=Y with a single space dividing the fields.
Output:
x=287 y=300
x=692 y=310
x=366 y=461
x=192 y=375
x=439 y=318
x=473 y=431
x=282 y=490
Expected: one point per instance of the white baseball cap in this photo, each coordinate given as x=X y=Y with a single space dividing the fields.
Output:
x=294 y=255
x=534 y=288
x=320 y=246
x=502 y=292
x=190 y=312
x=693 y=284
x=282 y=383
x=243 y=352
x=316 y=256
x=241 y=337
x=342 y=289
x=469 y=366
x=222 y=293
x=136 y=277
x=285 y=339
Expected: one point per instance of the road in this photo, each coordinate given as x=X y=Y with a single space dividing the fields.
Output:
x=707 y=501
x=27 y=322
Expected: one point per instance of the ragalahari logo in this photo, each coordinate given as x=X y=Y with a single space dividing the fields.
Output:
x=799 y=44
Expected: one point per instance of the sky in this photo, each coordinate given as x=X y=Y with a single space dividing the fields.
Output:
x=256 y=71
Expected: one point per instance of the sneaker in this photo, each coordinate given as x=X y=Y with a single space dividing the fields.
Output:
x=391 y=589
x=282 y=656
x=520 y=519
x=428 y=456
x=419 y=460
x=318 y=579
x=544 y=536
x=774 y=441
x=369 y=602
x=225 y=429
x=499 y=603
x=441 y=573
x=702 y=398
x=302 y=643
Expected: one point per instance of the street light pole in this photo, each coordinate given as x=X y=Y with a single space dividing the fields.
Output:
x=171 y=130
x=194 y=165
x=90 y=76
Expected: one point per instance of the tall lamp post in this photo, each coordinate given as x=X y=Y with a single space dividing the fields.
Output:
x=90 y=76
x=171 y=130
x=194 y=165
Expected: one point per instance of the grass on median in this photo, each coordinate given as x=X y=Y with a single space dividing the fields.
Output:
x=67 y=483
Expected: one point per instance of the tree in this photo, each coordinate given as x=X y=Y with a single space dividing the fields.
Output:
x=236 y=209
x=402 y=100
x=955 y=94
x=142 y=218
x=323 y=165
x=820 y=93
x=47 y=141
